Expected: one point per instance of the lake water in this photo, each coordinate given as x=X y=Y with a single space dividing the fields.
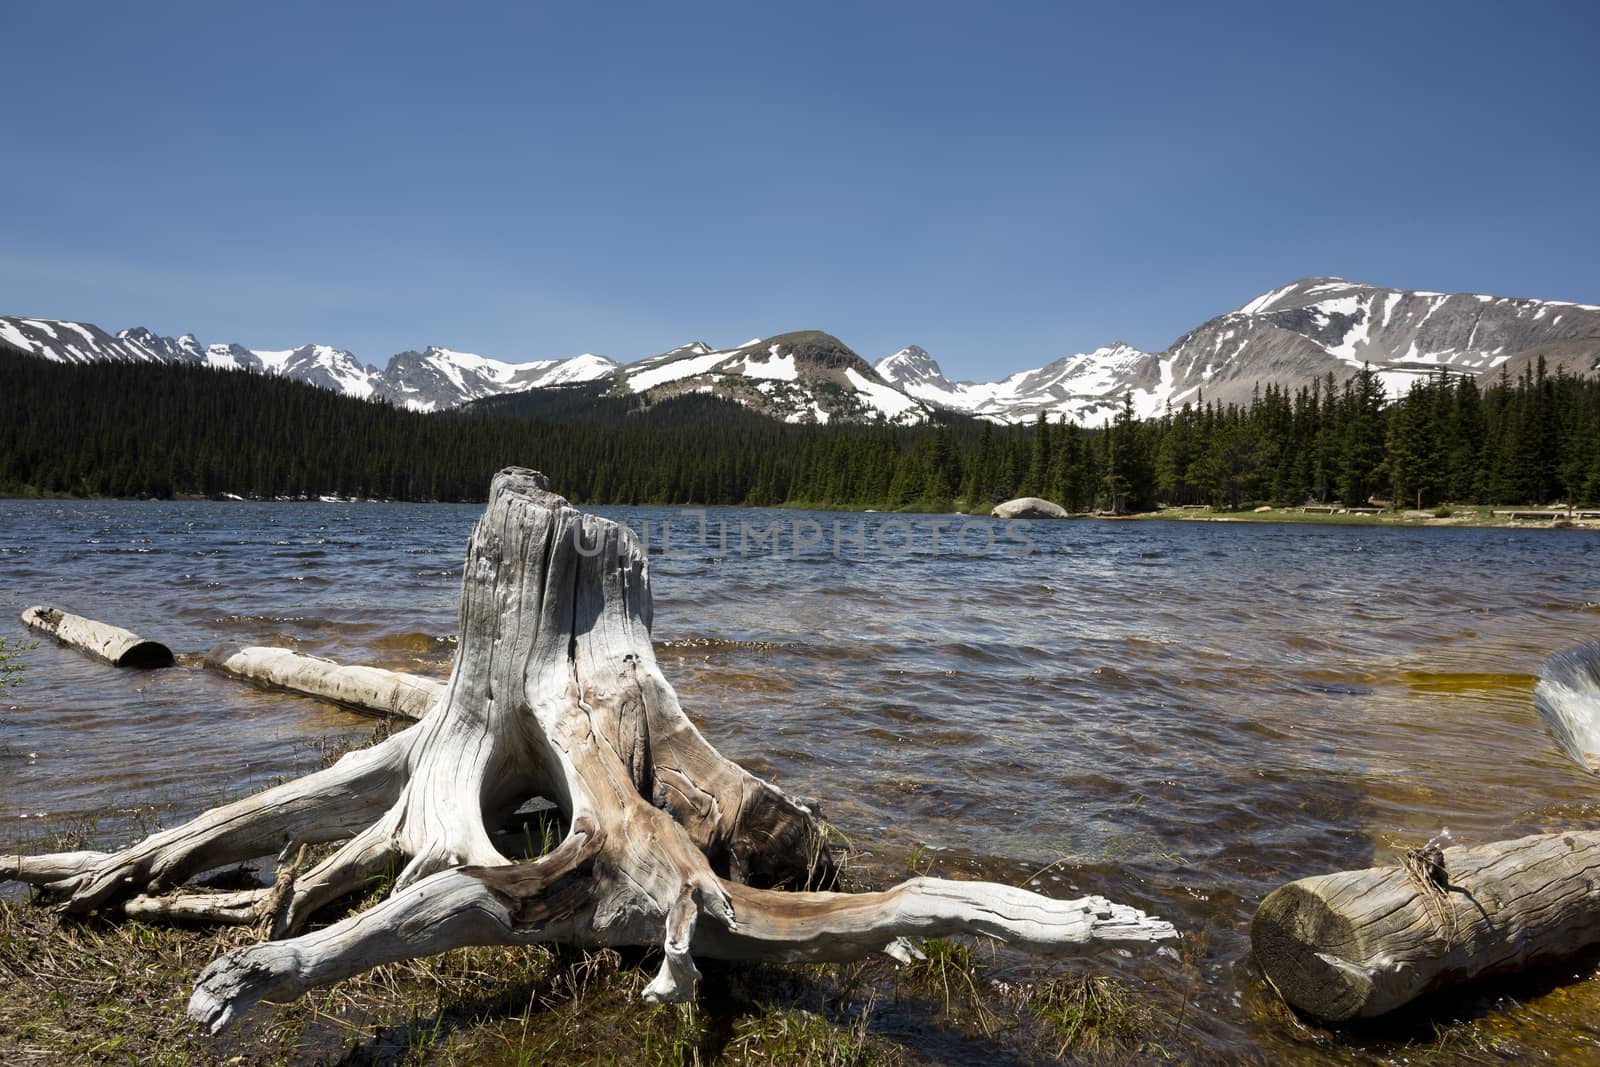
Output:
x=1182 y=716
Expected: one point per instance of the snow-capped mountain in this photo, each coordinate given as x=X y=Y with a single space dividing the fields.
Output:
x=164 y=349
x=1087 y=387
x=442 y=378
x=1288 y=337
x=808 y=376
x=79 y=342
x=431 y=380
x=321 y=365
x=918 y=373
x=1310 y=327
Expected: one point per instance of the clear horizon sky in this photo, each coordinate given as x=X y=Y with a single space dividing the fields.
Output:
x=1002 y=184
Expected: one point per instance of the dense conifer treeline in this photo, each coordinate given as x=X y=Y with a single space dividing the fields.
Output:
x=119 y=429
x=1534 y=439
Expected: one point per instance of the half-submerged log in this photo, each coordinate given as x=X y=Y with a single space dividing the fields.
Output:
x=118 y=647
x=555 y=693
x=367 y=689
x=1358 y=944
x=1568 y=698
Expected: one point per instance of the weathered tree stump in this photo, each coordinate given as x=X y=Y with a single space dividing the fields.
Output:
x=368 y=689
x=555 y=693
x=118 y=647
x=1358 y=944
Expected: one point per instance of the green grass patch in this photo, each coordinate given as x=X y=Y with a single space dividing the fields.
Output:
x=1092 y=1013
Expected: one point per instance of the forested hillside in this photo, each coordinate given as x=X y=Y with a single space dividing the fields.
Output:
x=122 y=429
x=1534 y=439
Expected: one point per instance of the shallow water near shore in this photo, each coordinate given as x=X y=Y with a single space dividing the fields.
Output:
x=1181 y=716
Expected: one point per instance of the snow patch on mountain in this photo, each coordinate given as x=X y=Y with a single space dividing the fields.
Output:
x=655 y=375
x=879 y=396
x=14 y=337
x=585 y=368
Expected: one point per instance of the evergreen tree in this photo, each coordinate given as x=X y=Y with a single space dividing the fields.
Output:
x=1412 y=450
x=1362 y=462
x=980 y=470
x=1039 y=464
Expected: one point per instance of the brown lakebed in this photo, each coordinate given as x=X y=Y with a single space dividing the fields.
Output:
x=1179 y=716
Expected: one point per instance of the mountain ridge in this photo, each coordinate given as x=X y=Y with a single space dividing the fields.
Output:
x=1287 y=336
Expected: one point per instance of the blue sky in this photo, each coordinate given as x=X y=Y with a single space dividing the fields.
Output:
x=1000 y=183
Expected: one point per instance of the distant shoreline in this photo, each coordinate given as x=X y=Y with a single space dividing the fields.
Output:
x=1465 y=515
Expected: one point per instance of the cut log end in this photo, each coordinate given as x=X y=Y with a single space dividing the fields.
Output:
x=1359 y=944
x=1292 y=934
x=118 y=647
x=145 y=655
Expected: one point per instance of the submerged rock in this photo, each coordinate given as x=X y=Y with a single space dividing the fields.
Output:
x=1028 y=507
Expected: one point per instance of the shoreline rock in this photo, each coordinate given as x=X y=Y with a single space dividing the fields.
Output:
x=1028 y=507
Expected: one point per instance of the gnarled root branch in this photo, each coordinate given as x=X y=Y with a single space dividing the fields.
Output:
x=575 y=895
x=328 y=805
x=523 y=904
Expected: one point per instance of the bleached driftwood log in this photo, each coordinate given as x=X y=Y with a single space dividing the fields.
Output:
x=118 y=647
x=369 y=689
x=1568 y=698
x=1357 y=944
x=555 y=693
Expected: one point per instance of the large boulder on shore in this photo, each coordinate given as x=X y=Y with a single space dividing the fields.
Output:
x=1028 y=507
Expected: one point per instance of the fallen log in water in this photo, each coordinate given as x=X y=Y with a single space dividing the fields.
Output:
x=1568 y=698
x=1357 y=944
x=118 y=647
x=369 y=689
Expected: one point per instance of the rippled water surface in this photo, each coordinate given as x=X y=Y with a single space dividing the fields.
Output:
x=1180 y=715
